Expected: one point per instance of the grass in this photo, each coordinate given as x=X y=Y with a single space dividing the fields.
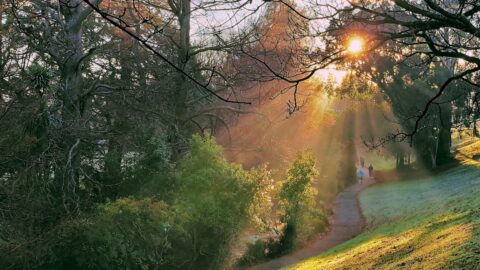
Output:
x=381 y=163
x=432 y=223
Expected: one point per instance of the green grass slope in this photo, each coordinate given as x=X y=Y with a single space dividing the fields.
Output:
x=420 y=224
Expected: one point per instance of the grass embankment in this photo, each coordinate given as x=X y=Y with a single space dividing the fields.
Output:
x=432 y=223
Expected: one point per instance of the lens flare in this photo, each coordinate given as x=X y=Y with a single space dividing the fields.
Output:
x=355 y=45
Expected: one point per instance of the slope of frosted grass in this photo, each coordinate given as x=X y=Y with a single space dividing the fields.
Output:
x=418 y=224
x=417 y=198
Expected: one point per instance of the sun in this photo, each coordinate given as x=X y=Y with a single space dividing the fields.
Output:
x=355 y=45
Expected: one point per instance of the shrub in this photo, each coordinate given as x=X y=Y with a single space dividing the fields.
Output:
x=260 y=210
x=300 y=210
x=262 y=250
x=130 y=234
x=212 y=202
x=256 y=252
x=214 y=199
x=298 y=200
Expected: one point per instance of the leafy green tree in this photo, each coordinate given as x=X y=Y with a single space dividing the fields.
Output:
x=261 y=207
x=214 y=198
x=433 y=141
x=214 y=201
x=129 y=234
x=302 y=214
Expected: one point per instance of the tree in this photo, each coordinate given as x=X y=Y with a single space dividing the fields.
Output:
x=430 y=31
x=89 y=116
x=214 y=197
x=278 y=52
x=197 y=79
x=398 y=81
x=302 y=214
x=440 y=32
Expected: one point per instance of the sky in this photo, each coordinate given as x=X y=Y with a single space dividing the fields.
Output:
x=230 y=19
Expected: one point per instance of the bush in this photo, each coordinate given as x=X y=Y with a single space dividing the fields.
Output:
x=214 y=199
x=300 y=211
x=298 y=199
x=262 y=250
x=256 y=252
x=130 y=234
x=261 y=206
x=212 y=202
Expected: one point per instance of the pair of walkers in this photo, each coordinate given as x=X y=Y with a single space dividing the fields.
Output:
x=361 y=174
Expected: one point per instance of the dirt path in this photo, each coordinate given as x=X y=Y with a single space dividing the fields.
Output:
x=347 y=223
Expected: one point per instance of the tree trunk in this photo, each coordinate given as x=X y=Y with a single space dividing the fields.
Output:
x=71 y=85
x=400 y=160
x=347 y=175
x=475 y=129
x=113 y=169
x=444 y=144
x=178 y=133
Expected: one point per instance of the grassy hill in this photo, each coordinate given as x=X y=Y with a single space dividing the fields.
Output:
x=432 y=223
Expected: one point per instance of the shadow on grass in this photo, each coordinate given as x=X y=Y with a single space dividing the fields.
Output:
x=468 y=256
x=444 y=235
x=429 y=246
x=437 y=241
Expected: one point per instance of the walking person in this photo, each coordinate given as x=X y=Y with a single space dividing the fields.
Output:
x=360 y=175
x=370 y=171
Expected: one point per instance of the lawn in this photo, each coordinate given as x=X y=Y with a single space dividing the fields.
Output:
x=381 y=163
x=432 y=223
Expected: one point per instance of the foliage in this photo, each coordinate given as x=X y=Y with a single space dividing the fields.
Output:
x=301 y=211
x=262 y=218
x=40 y=246
x=261 y=250
x=90 y=119
x=39 y=77
x=262 y=202
x=213 y=202
x=153 y=176
x=407 y=88
x=356 y=87
x=297 y=190
x=214 y=198
x=426 y=224
x=255 y=253
x=130 y=234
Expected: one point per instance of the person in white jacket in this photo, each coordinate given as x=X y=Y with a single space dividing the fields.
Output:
x=360 y=175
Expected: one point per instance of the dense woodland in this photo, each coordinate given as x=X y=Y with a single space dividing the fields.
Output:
x=138 y=134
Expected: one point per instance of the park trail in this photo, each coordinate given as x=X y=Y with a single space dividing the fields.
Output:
x=347 y=223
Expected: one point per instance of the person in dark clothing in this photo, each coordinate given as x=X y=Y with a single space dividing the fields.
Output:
x=370 y=171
